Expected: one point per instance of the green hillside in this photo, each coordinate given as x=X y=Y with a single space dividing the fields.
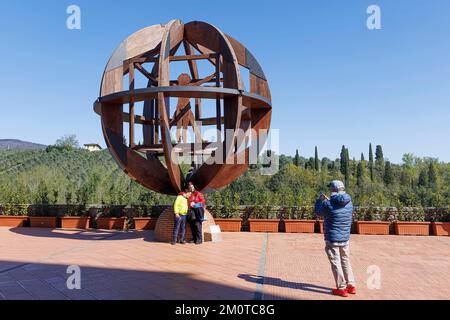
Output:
x=76 y=176
x=66 y=176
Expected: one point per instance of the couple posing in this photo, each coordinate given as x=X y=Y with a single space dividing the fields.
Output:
x=189 y=207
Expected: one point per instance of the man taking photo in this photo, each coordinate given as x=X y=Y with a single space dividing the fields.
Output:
x=337 y=212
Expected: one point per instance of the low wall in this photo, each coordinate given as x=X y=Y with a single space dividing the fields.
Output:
x=244 y=212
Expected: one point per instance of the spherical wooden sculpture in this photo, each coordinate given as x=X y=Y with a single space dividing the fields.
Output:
x=149 y=53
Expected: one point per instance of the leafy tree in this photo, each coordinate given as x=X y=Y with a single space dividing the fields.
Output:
x=326 y=164
x=423 y=178
x=68 y=142
x=408 y=160
x=42 y=196
x=310 y=164
x=433 y=178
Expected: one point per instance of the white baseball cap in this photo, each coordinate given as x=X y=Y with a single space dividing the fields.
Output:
x=336 y=185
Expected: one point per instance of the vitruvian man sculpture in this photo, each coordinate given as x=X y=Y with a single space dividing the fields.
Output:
x=150 y=53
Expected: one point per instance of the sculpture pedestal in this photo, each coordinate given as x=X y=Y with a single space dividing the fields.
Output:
x=165 y=223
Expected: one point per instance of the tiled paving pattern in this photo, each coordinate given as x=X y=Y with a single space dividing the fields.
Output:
x=116 y=265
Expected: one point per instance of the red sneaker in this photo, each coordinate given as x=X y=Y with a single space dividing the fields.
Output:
x=340 y=293
x=351 y=289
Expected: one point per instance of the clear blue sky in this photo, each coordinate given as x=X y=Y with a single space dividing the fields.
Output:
x=333 y=81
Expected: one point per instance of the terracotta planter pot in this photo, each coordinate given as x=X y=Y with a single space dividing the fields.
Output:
x=440 y=229
x=147 y=223
x=264 y=225
x=300 y=226
x=229 y=225
x=75 y=222
x=43 y=222
x=111 y=223
x=412 y=228
x=12 y=221
x=373 y=227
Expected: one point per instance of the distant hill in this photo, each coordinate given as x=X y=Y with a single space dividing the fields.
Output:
x=14 y=144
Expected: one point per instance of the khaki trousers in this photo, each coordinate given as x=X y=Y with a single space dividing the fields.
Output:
x=339 y=256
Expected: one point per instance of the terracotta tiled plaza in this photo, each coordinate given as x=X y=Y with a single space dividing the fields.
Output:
x=119 y=265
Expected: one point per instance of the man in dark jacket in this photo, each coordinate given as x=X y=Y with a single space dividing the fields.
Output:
x=338 y=215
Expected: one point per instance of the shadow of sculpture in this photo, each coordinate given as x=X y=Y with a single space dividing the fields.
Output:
x=22 y=280
x=90 y=234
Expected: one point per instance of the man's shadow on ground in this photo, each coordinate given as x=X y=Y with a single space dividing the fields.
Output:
x=285 y=284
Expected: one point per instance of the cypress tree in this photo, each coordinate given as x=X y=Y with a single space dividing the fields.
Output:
x=347 y=167
x=297 y=158
x=370 y=153
x=388 y=174
x=371 y=162
x=316 y=160
x=379 y=158
x=362 y=156
x=361 y=173
x=343 y=160
x=379 y=162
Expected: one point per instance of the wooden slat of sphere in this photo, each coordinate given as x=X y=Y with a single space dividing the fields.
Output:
x=173 y=36
x=132 y=163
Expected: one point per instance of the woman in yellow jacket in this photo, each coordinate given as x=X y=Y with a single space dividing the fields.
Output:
x=181 y=209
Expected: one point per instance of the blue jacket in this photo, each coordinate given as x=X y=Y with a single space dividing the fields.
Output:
x=338 y=216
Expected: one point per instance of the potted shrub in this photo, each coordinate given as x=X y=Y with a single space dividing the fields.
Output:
x=440 y=224
x=229 y=223
x=14 y=215
x=264 y=219
x=321 y=227
x=143 y=218
x=300 y=220
x=112 y=218
x=75 y=218
x=228 y=215
x=43 y=217
x=371 y=221
x=411 y=222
